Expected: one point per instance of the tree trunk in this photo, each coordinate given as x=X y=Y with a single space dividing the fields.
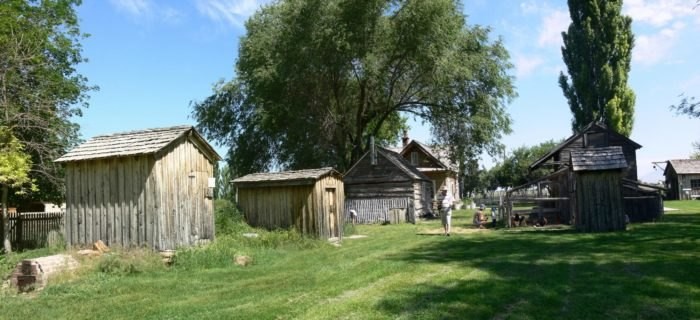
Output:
x=5 y=230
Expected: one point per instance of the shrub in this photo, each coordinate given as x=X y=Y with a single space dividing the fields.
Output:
x=228 y=218
x=130 y=262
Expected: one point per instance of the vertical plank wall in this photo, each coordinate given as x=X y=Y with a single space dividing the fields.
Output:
x=298 y=206
x=105 y=200
x=184 y=212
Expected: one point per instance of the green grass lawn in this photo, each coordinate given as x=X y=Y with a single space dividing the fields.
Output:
x=651 y=271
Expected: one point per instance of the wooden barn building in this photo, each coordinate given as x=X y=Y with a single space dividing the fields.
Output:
x=383 y=187
x=559 y=194
x=682 y=179
x=148 y=188
x=310 y=201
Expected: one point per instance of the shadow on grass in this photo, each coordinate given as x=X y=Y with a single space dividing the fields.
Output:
x=649 y=271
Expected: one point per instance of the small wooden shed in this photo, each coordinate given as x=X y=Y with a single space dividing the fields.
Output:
x=598 y=176
x=148 y=188
x=311 y=201
x=383 y=187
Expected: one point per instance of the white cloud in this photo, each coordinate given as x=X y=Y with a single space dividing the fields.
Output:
x=526 y=65
x=233 y=12
x=659 y=13
x=133 y=7
x=651 y=49
x=552 y=26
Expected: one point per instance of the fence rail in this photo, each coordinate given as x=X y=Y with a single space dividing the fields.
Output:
x=30 y=229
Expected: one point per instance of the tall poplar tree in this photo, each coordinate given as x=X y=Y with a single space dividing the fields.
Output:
x=597 y=51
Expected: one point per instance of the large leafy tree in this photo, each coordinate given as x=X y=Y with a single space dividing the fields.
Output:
x=40 y=89
x=515 y=169
x=597 y=51
x=316 y=78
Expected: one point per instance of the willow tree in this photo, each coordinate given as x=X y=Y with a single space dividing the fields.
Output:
x=316 y=78
x=597 y=51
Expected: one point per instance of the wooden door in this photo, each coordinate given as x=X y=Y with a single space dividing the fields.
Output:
x=331 y=209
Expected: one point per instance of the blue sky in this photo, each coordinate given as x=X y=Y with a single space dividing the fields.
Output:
x=150 y=58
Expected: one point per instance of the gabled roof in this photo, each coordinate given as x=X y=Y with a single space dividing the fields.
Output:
x=287 y=178
x=133 y=143
x=683 y=166
x=400 y=162
x=595 y=159
x=567 y=142
x=436 y=154
x=397 y=160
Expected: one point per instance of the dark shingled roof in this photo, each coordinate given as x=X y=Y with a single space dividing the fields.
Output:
x=591 y=126
x=135 y=143
x=287 y=178
x=685 y=166
x=404 y=165
x=595 y=159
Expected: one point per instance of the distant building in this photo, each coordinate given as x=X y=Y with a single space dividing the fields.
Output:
x=593 y=181
x=682 y=179
x=434 y=163
x=383 y=187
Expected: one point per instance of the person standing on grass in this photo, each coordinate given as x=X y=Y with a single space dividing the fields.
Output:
x=446 y=208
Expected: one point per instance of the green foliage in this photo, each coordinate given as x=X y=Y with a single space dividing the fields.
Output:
x=315 y=79
x=129 y=262
x=40 y=88
x=14 y=163
x=515 y=170
x=224 y=188
x=597 y=51
x=228 y=220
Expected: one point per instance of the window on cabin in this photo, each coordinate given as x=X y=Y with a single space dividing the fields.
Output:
x=695 y=184
x=596 y=140
x=414 y=158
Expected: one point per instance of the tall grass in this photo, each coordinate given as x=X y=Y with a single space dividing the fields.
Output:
x=236 y=238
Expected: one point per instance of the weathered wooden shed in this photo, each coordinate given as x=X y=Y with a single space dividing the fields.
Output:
x=148 y=188
x=682 y=179
x=598 y=183
x=594 y=135
x=311 y=201
x=558 y=196
x=383 y=187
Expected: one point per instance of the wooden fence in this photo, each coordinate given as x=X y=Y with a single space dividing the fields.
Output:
x=29 y=230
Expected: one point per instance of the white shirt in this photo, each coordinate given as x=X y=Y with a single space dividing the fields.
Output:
x=447 y=201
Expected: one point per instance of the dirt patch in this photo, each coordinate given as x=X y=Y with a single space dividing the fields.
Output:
x=453 y=230
x=356 y=236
